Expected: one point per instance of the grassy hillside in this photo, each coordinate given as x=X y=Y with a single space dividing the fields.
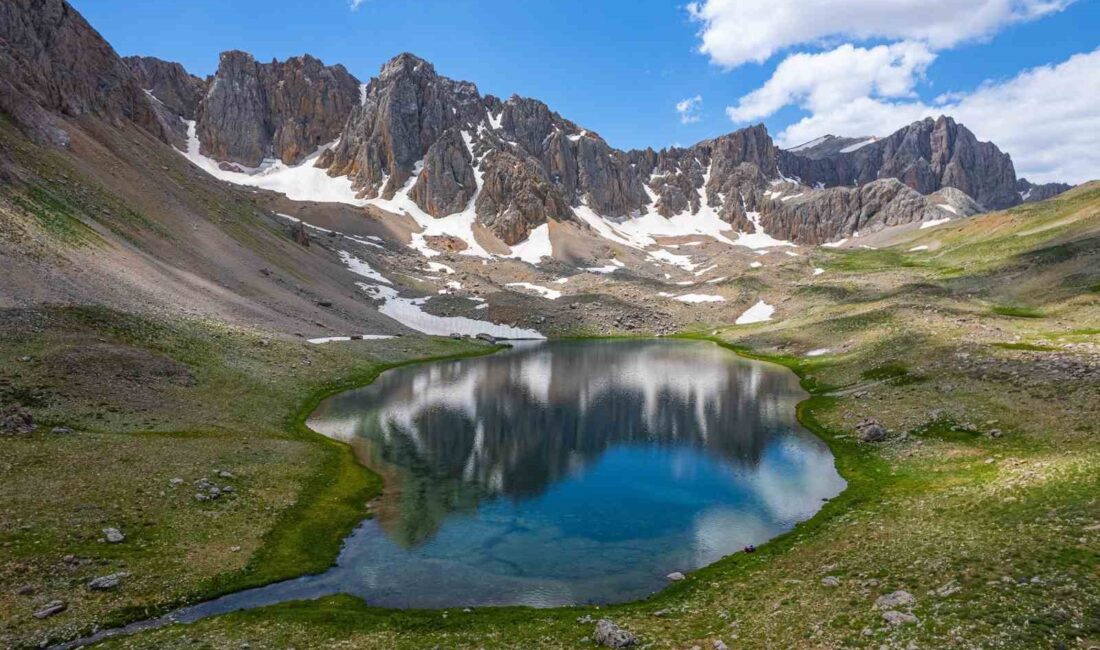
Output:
x=976 y=344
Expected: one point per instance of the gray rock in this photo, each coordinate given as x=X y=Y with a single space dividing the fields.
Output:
x=898 y=598
x=719 y=644
x=899 y=618
x=107 y=582
x=113 y=536
x=870 y=430
x=676 y=576
x=446 y=183
x=830 y=581
x=610 y=635
x=51 y=608
x=61 y=430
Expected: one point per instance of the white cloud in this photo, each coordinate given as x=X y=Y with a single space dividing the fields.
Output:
x=1045 y=117
x=354 y=4
x=829 y=80
x=690 y=109
x=739 y=31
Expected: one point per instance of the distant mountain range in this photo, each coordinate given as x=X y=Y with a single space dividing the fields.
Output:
x=411 y=139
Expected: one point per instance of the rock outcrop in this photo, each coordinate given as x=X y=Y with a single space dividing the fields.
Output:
x=52 y=61
x=169 y=83
x=284 y=110
x=816 y=217
x=1032 y=193
x=926 y=155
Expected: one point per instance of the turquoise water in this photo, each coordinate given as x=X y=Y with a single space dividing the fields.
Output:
x=563 y=473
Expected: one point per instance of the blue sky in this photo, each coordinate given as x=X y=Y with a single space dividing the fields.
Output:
x=620 y=67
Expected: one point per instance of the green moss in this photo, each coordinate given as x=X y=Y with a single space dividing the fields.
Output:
x=1023 y=346
x=1015 y=311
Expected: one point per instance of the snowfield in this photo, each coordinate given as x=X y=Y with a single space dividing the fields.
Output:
x=758 y=313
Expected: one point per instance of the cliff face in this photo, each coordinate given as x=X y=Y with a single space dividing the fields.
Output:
x=52 y=61
x=926 y=155
x=283 y=110
x=169 y=83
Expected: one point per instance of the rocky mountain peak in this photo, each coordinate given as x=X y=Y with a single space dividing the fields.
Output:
x=926 y=155
x=285 y=110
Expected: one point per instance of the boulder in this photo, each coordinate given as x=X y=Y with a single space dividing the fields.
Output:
x=894 y=599
x=870 y=430
x=610 y=635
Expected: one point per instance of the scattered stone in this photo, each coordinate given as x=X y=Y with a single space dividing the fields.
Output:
x=719 y=644
x=749 y=549
x=175 y=481
x=948 y=589
x=224 y=474
x=25 y=590
x=899 y=618
x=113 y=536
x=995 y=433
x=61 y=430
x=107 y=582
x=16 y=420
x=830 y=581
x=52 y=608
x=898 y=598
x=870 y=430
x=234 y=549
x=610 y=635
x=676 y=576
x=661 y=613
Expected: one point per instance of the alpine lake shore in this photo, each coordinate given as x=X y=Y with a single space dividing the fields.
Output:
x=982 y=503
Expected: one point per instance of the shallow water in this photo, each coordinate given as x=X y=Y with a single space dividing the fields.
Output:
x=561 y=473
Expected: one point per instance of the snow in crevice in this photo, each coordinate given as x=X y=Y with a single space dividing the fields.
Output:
x=949 y=208
x=301 y=182
x=459 y=224
x=535 y=247
x=858 y=145
x=835 y=244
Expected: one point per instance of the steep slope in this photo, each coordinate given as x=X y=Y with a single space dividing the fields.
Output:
x=52 y=61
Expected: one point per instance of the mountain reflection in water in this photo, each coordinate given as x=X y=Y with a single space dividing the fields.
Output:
x=567 y=472
x=446 y=436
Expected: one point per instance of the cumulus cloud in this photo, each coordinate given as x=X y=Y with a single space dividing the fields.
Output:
x=825 y=82
x=734 y=32
x=1045 y=117
x=690 y=109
